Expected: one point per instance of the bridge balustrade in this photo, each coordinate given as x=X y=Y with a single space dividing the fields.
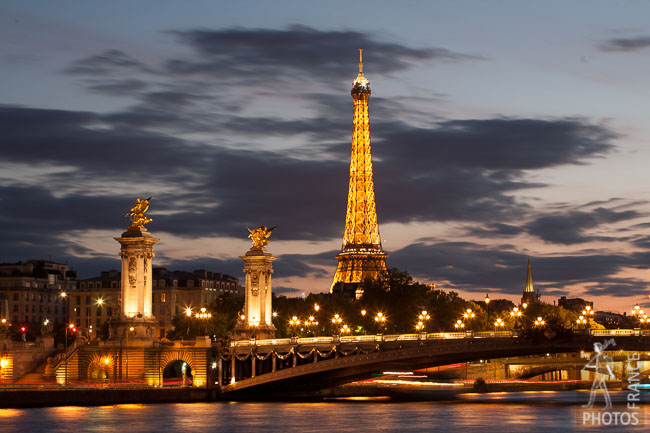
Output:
x=422 y=336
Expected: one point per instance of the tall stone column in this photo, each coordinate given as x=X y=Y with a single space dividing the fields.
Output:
x=258 y=310
x=137 y=254
x=136 y=319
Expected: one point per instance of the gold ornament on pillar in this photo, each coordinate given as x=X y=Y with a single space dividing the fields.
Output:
x=137 y=213
x=260 y=236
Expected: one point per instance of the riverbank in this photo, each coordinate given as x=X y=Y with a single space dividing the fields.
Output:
x=103 y=397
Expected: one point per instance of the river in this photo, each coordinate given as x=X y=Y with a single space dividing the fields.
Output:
x=324 y=417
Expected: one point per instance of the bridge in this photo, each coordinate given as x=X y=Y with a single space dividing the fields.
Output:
x=264 y=367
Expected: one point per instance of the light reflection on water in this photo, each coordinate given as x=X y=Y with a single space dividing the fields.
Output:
x=349 y=416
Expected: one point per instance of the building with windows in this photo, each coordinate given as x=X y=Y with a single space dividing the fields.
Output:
x=96 y=300
x=34 y=291
x=574 y=304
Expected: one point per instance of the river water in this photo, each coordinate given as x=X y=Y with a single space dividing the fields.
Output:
x=326 y=417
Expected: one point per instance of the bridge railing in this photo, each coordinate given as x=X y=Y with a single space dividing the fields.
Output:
x=617 y=332
x=421 y=336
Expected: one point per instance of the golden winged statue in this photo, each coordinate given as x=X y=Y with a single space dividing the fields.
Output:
x=260 y=236
x=138 y=218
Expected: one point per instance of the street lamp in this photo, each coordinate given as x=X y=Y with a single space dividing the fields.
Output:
x=131 y=329
x=294 y=322
x=499 y=323
x=73 y=329
x=487 y=307
x=423 y=317
x=380 y=318
x=516 y=314
x=345 y=329
x=581 y=321
x=469 y=315
x=539 y=322
x=204 y=315
x=316 y=308
x=459 y=324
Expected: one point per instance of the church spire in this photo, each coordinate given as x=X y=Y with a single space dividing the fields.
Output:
x=530 y=295
x=529 y=281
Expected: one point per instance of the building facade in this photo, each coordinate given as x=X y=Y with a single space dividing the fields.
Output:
x=35 y=291
x=97 y=300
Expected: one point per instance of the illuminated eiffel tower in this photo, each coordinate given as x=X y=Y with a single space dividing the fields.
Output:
x=361 y=255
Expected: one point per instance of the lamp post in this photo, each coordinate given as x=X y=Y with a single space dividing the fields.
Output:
x=188 y=315
x=131 y=329
x=640 y=315
x=469 y=315
x=460 y=325
x=73 y=329
x=380 y=318
x=516 y=314
x=204 y=316
x=294 y=322
x=423 y=318
x=587 y=312
x=499 y=323
x=539 y=322
x=487 y=308
x=337 y=321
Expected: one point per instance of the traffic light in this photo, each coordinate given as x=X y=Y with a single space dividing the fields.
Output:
x=23 y=329
x=73 y=330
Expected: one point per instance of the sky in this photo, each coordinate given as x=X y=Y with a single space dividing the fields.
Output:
x=501 y=132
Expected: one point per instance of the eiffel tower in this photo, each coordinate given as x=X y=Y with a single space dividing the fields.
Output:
x=361 y=255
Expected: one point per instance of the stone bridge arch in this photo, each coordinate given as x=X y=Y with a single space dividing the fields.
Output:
x=101 y=367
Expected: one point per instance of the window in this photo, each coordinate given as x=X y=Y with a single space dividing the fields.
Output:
x=109 y=311
x=99 y=324
x=15 y=308
x=87 y=299
x=83 y=285
x=77 y=311
x=78 y=300
x=56 y=309
x=26 y=308
x=162 y=297
x=162 y=310
x=87 y=312
x=15 y=296
x=99 y=311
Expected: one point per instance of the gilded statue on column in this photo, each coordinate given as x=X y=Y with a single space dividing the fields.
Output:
x=260 y=236
x=137 y=213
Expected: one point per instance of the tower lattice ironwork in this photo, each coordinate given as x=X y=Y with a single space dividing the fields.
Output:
x=361 y=255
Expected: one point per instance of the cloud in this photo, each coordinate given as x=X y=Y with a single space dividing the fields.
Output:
x=626 y=44
x=569 y=227
x=109 y=62
x=475 y=267
x=495 y=230
x=256 y=56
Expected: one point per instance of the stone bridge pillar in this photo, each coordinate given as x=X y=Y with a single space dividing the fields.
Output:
x=258 y=312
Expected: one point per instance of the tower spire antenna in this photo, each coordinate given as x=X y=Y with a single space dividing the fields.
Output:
x=360 y=60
